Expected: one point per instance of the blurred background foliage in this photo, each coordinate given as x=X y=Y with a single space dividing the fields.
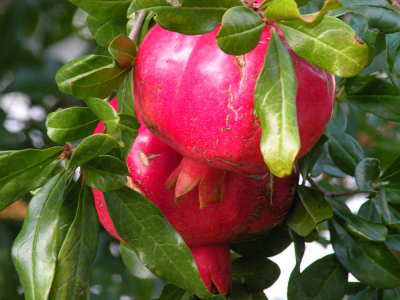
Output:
x=37 y=38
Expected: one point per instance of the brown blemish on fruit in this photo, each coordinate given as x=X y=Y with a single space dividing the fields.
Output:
x=241 y=61
x=133 y=186
x=230 y=102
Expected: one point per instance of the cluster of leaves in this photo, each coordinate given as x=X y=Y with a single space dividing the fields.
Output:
x=58 y=242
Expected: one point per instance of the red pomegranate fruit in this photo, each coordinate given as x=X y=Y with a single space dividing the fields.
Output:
x=199 y=100
x=250 y=204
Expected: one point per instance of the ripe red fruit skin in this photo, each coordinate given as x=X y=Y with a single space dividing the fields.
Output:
x=250 y=204
x=199 y=100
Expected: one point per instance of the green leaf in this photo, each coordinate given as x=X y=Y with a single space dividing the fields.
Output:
x=159 y=247
x=105 y=112
x=90 y=76
x=275 y=104
x=307 y=162
x=103 y=9
x=358 y=226
x=392 y=49
x=256 y=273
x=393 y=242
x=324 y=279
x=390 y=216
x=367 y=172
x=77 y=252
x=105 y=173
x=378 y=97
x=369 y=212
x=105 y=31
x=92 y=147
x=123 y=49
x=34 y=250
x=338 y=121
x=71 y=124
x=125 y=97
x=24 y=171
x=360 y=25
x=128 y=131
x=369 y=293
x=309 y=209
x=338 y=52
x=133 y=263
x=240 y=31
x=295 y=290
x=380 y=13
x=288 y=10
x=345 y=151
x=269 y=244
x=391 y=174
x=390 y=294
x=172 y=292
x=193 y=17
x=370 y=262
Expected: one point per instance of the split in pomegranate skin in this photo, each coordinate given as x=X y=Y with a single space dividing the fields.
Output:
x=249 y=205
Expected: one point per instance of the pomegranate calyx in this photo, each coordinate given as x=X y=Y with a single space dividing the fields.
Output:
x=190 y=174
x=214 y=264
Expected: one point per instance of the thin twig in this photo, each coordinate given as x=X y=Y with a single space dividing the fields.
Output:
x=333 y=194
x=138 y=24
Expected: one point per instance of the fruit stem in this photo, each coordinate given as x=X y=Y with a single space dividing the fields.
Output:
x=138 y=24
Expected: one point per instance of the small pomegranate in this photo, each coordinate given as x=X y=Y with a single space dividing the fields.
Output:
x=250 y=204
x=199 y=100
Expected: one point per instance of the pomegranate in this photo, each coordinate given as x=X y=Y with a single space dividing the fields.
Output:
x=249 y=205
x=199 y=100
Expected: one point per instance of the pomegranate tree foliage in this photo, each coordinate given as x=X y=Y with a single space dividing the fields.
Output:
x=358 y=41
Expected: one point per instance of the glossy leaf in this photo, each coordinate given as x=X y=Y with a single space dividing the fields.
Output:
x=393 y=242
x=105 y=173
x=369 y=293
x=377 y=97
x=240 y=30
x=128 y=130
x=338 y=121
x=295 y=290
x=172 y=292
x=105 y=112
x=338 y=52
x=24 y=171
x=103 y=9
x=105 y=31
x=358 y=226
x=309 y=209
x=79 y=248
x=193 y=17
x=324 y=279
x=370 y=262
x=367 y=172
x=133 y=263
x=288 y=10
x=142 y=225
x=307 y=162
x=360 y=25
x=390 y=216
x=369 y=212
x=125 y=97
x=256 y=273
x=391 y=174
x=34 y=250
x=123 y=49
x=71 y=124
x=380 y=13
x=269 y=244
x=392 y=49
x=345 y=151
x=275 y=104
x=90 y=76
x=92 y=147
